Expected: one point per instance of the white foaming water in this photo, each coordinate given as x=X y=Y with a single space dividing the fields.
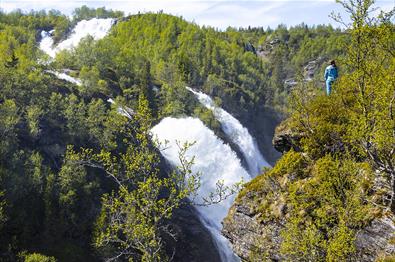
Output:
x=214 y=159
x=66 y=77
x=128 y=112
x=97 y=28
x=237 y=133
x=46 y=43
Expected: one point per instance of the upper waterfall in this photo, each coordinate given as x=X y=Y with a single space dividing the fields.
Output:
x=97 y=28
x=237 y=133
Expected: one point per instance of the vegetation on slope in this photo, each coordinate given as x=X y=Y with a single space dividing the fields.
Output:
x=69 y=162
x=327 y=191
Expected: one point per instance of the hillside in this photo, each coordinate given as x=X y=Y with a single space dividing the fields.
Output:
x=331 y=195
x=83 y=179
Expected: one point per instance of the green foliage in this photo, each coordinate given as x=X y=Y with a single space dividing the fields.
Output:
x=36 y=257
x=327 y=188
x=325 y=209
x=168 y=53
x=133 y=217
x=386 y=259
x=34 y=113
x=86 y=13
x=51 y=195
x=291 y=163
x=207 y=117
x=91 y=83
x=8 y=122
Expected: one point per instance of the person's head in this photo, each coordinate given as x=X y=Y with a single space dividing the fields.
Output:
x=332 y=62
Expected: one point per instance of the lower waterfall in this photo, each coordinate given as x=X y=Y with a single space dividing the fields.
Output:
x=214 y=159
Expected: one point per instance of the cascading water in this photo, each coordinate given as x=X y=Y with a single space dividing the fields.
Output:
x=97 y=28
x=46 y=43
x=214 y=159
x=238 y=134
x=125 y=111
x=66 y=77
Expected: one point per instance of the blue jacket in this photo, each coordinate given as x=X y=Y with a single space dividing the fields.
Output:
x=331 y=73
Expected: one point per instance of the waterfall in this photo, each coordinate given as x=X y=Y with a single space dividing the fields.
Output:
x=66 y=77
x=125 y=111
x=97 y=28
x=237 y=133
x=46 y=43
x=214 y=159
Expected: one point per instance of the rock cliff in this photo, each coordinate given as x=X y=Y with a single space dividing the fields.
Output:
x=260 y=212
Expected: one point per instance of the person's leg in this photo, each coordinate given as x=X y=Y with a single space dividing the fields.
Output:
x=328 y=87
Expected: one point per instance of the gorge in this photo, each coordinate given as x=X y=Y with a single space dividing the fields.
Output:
x=146 y=137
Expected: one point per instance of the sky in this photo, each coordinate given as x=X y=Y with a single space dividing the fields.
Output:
x=216 y=13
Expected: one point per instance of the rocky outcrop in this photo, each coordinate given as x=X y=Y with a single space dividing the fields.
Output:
x=251 y=239
x=311 y=68
x=265 y=49
x=256 y=239
x=309 y=71
x=260 y=212
x=377 y=239
x=290 y=83
x=244 y=232
x=285 y=138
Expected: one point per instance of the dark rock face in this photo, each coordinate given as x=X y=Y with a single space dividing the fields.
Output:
x=285 y=138
x=262 y=125
x=310 y=69
x=309 y=72
x=193 y=241
x=290 y=83
x=245 y=232
x=248 y=47
x=245 y=226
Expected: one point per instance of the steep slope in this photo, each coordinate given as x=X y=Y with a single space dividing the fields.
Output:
x=331 y=196
x=50 y=203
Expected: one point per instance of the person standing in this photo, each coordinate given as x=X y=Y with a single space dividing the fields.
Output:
x=330 y=76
